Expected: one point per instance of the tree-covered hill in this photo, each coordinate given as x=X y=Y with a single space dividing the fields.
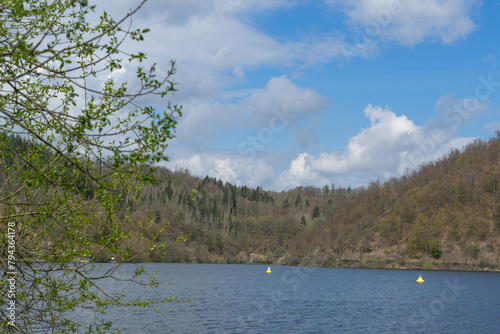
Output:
x=446 y=213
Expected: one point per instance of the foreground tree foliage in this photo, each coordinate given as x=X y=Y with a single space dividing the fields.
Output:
x=76 y=147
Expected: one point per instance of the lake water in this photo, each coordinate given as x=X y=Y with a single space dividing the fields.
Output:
x=245 y=299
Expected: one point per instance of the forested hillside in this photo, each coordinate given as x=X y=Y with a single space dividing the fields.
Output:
x=446 y=215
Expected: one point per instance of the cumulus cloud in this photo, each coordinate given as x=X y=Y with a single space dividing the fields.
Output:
x=235 y=170
x=280 y=93
x=388 y=147
x=214 y=52
x=391 y=145
x=215 y=49
x=211 y=52
x=279 y=105
x=411 y=22
x=301 y=173
x=373 y=147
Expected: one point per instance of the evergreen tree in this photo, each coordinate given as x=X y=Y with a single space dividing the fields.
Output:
x=316 y=212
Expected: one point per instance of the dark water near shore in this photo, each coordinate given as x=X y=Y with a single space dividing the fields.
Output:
x=244 y=299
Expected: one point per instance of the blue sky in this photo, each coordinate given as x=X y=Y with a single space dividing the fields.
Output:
x=286 y=93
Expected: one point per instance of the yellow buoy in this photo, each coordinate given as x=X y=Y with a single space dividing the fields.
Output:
x=420 y=279
x=268 y=270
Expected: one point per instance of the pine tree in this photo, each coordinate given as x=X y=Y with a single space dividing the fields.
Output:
x=316 y=212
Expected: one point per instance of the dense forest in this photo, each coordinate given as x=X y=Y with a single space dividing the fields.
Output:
x=444 y=215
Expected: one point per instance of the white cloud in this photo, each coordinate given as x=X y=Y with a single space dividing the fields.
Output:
x=373 y=147
x=300 y=173
x=411 y=22
x=387 y=148
x=281 y=104
x=235 y=170
x=280 y=93
x=211 y=52
x=214 y=52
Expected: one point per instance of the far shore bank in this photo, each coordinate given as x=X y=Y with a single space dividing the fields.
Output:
x=358 y=263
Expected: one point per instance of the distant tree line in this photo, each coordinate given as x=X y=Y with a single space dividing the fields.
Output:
x=447 y=210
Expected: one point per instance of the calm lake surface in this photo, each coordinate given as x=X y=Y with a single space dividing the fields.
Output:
x=245 y=299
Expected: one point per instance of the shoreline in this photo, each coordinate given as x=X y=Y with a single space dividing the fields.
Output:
x=360 y=264
x=418 y=265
